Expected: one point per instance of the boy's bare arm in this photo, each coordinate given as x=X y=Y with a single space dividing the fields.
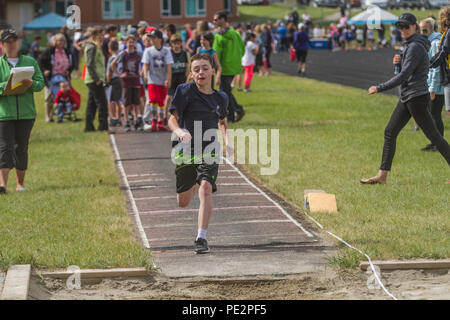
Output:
x=184 y=135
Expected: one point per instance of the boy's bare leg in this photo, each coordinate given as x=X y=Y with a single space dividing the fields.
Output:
x=185 y=198
x=205 y=210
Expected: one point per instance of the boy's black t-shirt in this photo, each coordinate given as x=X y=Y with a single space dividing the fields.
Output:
x=192 y=105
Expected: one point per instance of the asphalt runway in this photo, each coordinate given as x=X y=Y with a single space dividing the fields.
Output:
x=252 y=232
x=359 y=69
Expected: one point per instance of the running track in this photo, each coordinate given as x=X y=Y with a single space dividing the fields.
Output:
x=250 y=232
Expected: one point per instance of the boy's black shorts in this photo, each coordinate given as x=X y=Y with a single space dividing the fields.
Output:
x=190 y=174
x=132 y=96
x=177 y=79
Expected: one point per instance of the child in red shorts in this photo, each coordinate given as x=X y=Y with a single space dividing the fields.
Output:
x=157 y=69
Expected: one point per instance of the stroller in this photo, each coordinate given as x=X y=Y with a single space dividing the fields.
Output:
x=54 y=88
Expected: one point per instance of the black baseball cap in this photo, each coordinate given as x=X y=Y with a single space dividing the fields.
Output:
x=407 y=18
x=156 y=33
x=8 y=33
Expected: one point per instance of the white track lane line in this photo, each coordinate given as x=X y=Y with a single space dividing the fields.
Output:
x=308 y=234
x=144 y=175
x=137 y=218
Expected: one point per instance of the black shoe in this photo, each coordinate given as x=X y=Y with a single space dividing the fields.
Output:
x=60 y=120
x=2 y=190
x=201 y=246
x=429 y=147
x=89 y=129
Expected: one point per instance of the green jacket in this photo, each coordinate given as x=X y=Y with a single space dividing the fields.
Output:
x=230 y=49
x=21 y=106
x=95 y=63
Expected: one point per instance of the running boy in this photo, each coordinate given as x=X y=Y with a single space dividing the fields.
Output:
x=197 y=104
x=157 y=70
x=130 y=60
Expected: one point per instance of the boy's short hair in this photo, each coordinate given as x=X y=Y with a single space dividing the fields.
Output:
x=172 y=28
x=111 y=27
x=176 y=38
x=222 y=15
x=113 y=44
x=202 y=56
x=37 y=38
x=130 y=37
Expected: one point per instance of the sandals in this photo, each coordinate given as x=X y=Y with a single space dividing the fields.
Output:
x=371 y=181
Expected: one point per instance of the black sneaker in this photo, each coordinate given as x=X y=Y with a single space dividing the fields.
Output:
x=127 y=127
x=2 y=190
x=201 y=246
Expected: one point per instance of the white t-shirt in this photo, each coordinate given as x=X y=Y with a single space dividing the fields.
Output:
x=13 y=61
x=249 y=58
x=157 y=61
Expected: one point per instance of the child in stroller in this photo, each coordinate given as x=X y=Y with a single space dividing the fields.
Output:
x=66 y=101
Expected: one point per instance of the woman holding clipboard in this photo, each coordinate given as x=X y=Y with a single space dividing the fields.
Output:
x=17 y=110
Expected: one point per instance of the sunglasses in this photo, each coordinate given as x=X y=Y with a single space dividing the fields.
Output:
x=403 y=26
x=424 y=30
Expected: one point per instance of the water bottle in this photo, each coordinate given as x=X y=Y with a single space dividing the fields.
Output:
x=397 y=67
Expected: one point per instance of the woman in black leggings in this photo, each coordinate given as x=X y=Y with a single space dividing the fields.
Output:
x=414 y=96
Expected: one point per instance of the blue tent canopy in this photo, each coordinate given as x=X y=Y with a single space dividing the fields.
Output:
x=47 y=22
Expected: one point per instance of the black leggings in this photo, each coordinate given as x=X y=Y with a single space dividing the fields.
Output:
x=96 y=99
x=233 y=106
x=417 y=108
x=14 y=138
x=435 y=107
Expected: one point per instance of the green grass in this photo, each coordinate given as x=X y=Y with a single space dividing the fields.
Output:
x=260 y=14
x=74 y=213
x=330 y=137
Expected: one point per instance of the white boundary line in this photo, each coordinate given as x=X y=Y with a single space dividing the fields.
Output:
x=308 y=234
x=352 y=247
x=130 y=194
x=318 y=224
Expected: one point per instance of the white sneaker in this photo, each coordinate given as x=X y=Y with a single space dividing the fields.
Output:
x=147 y=127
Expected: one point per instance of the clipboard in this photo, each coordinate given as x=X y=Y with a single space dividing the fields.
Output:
x=18 y=90
x=18 y=75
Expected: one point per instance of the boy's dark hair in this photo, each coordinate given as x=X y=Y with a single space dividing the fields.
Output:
x=112 y=27
x=202 y=56
x=171 y=27
x=209 y=36
x=37 y=38
x=248 y=36
x=113 y=44
x=222 y=15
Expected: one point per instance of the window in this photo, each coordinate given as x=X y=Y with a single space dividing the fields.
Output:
x=45 y=6
x=171 y=8
x=195 y=8
x=228 y=6
x=61 y=6
x=117 y=9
